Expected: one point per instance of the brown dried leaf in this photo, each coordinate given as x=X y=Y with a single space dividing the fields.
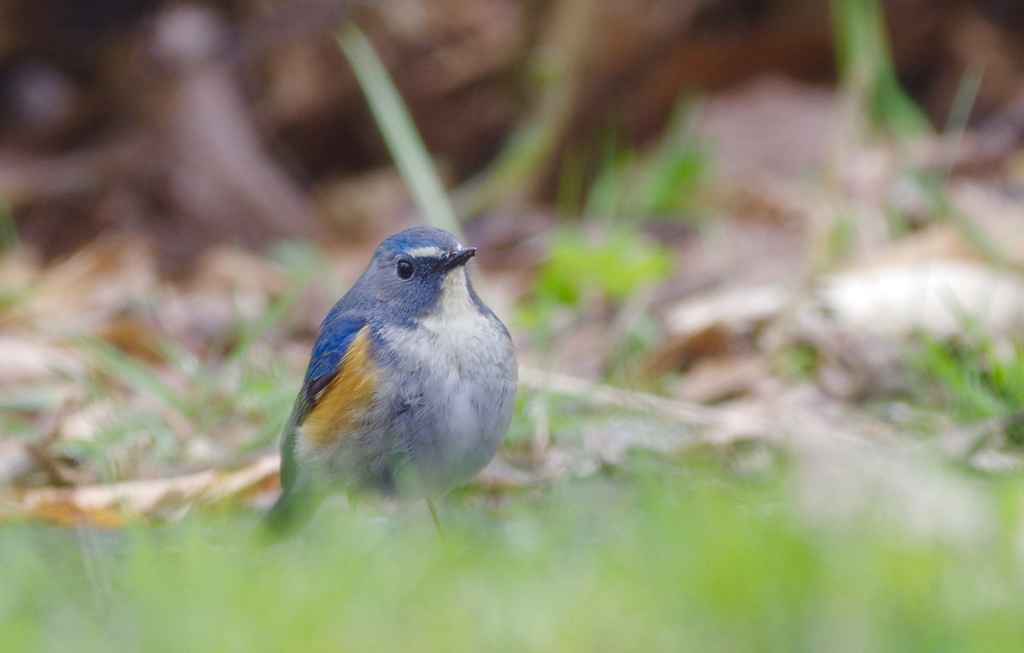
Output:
x=136 y=338
x=719 y=378
x=26 y=360
x=113 y=505
x=680 y=351
x=97 y=282
x=713 y=323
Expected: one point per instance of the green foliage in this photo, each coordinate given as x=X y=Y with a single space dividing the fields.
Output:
x=613 y=267
x=663 y=183
x=865 y=64
x=978 y=377
x=560 y=417
x=584 y=277
x=800 y=362
x=399 y=131
x=668 y=559
x=8 y=229
x=9 y=295
x=580 y=271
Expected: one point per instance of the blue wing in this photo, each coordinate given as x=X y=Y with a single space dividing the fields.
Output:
x=336 y=335
x=337 y=332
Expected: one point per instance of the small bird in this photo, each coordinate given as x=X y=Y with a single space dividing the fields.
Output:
x=410 y=387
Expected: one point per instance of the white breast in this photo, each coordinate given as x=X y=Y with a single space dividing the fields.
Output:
x=466 y=368
x=457 y=321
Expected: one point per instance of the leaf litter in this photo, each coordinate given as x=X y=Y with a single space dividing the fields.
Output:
x=158 y=396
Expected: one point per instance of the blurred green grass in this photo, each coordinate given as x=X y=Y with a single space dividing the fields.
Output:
x=973 y=378
x=661 y=557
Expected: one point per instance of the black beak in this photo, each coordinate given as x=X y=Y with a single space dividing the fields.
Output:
x=456 y=258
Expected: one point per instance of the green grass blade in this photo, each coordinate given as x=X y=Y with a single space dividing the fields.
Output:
x=131 y=372
x=399 y=131
x=866 y=67
x=8 y=229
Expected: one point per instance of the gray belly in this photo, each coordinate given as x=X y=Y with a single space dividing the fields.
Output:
x=442 y=411
x=454 y=427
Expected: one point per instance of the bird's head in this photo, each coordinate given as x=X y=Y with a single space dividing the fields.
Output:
x=417 y=269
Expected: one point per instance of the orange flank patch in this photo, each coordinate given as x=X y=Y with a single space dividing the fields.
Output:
x=347 y=398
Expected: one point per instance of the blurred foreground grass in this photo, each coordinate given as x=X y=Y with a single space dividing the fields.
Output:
x=661 y=557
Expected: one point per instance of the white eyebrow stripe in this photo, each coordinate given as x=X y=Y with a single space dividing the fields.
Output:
x=427 y=251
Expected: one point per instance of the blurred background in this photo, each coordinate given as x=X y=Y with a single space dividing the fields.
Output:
x=762 y=261
x=719 y=203
x=192 y=124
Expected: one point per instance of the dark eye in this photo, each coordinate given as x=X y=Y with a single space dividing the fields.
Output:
x=404 y=269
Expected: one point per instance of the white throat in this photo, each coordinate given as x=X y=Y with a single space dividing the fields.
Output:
x=454 y=303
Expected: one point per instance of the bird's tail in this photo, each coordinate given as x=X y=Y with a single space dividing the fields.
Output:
x=292 y=510
x=298 y=501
